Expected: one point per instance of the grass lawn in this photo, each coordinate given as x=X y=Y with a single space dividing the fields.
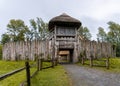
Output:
x=47 y=77
x=51 y=77
x=114 y=65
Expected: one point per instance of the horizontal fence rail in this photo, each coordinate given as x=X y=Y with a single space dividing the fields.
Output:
x=39 y=66
x=11 y=73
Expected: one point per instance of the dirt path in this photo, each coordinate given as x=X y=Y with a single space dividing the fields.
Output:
x=82 y=76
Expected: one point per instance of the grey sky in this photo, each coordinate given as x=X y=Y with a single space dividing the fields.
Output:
x=92 y=13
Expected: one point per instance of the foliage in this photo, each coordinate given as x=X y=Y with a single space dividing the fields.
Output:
x=0 y=52
x=39 y=29
x=16 y=30
x=102 y=36
x=5 y=38
x=84 y=33
x=112 y=36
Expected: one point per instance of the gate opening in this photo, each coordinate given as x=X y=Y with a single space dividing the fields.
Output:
x=65 y=56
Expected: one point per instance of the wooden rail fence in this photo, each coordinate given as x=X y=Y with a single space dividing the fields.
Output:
x=40 y=66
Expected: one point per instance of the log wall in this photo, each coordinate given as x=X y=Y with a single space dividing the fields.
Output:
x=22 y=50
x=95 y=49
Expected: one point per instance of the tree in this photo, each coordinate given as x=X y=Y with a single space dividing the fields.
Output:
x=39 y=29
x=114 y=35
x=5 y=38
x=84 y=33
x=102 y=36
x=16 y=30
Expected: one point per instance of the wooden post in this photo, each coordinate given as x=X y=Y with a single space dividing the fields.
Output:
x=27 y=72
x=82 y=60
x=52 y=61
x=56 y=62
x=91 y=61
x=107 y=63
x=40 y=62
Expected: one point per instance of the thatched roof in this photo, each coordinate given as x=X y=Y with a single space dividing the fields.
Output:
x=64 y=20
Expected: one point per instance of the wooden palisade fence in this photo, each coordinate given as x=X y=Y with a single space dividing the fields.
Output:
x=19 y=50
x=93 y=50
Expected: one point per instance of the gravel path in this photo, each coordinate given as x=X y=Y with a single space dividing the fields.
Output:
x=83 y=76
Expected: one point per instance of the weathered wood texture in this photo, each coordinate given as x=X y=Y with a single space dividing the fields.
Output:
x=23 y=50
x=95 y=49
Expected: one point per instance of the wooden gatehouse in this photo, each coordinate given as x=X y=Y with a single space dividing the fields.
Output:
x=64 y=38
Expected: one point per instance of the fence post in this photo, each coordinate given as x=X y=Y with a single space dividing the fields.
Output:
x=107 y=63
x=27 y=72
x=52 y=61
x=91 y=61
x=40 y=62
x=55 y=61
x=82 y=60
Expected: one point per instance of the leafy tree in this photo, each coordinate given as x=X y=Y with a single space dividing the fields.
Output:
x=84 y=33
x=39 y=29
x=102 y=36
x=113 y=35
x=17 y=29
x=5 y=38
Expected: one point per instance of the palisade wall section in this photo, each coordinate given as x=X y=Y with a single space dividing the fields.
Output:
x=25 y=49
x=95 y=49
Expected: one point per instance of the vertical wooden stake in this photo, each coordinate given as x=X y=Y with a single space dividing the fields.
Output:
x=91 y=61
x=27 y=72
x=82 y=60
x=107 y=63
x=40 y=62
x=56 y=62
x=52 y=63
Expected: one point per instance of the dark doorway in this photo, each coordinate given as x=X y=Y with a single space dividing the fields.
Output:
x=65 y=55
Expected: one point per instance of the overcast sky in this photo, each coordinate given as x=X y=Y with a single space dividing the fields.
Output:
x=92 y=13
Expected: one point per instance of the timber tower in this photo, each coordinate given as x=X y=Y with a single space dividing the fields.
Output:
x=63 y=38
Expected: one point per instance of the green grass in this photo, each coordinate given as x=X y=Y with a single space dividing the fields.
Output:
x=16 y=79
x=51 y=77
x=8 y=66
x=114 y=65
x=47 y=77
